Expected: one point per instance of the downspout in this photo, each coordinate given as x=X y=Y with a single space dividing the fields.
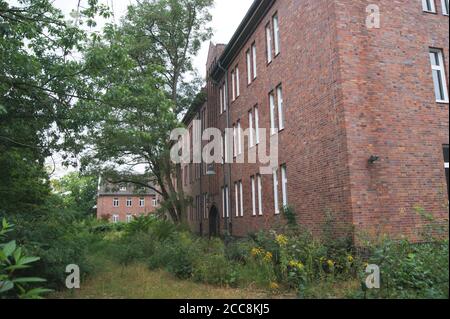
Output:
x=228 y=225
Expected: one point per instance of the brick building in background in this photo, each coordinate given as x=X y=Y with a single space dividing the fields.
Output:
x=362 y=117
x=121 y=203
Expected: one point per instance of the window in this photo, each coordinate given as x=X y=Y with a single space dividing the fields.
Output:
x=260 y=202
x=205 y=202
x=225 y=202
x=251 y=139
x=154 y=202
x=276 y=33
x=226 y=150
x=129 y=202
x=221 y=99
x=275 y=191
x=115 y=202
x=446 y=166
x=280 y=107
x=254 y=60
x=123 y=188
x=428 y=6
x=439 y=80
x=233 y=85
x=249 y=67
x=269 y=43
x=252 y=182
x=129 y=218
x=141 y=202
x=239 y=197
x=256 y=125
x=235 y=141
x=239 y=137
x=272 y=113
x=444 y=7
x=115 y=219
x=284 y=184
x=238 y=90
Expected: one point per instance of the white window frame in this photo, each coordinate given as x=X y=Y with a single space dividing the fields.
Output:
x=284 y=185
x=235 y=141
x=276 y=33
x=233 y=87
x=251 y=140
x=439 y=68
x=129 y=202
x=154 y=202
x=239 y=137
x=254 y=56
x=123 y=188
x=249 y=67
x=141 y=202
x=431 y=8
x=445 y=7
x=260 y=201
x=129 y=218
x=269 y=43
x=238 y=89
x=272 y=106
x=276 y=202
x=115 y=202
x=236 y=197
x=115 y=218
x=253 y=186
x=221 y=99
x=241 y=197
x=256 y=110
x=281 y=118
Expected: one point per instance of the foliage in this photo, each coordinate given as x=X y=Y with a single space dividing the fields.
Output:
x=12 y=261
x=77 y=192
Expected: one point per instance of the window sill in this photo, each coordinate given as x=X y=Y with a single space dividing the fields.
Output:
x=431 y=12
x=442 y=102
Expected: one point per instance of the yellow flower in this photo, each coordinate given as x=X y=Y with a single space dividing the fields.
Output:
x=274 y=286
x=293 y=263
x=296 y=264
x=256 y=251
x=281 y=240
x=268 y=257
x=350 y=259
x=330 y=263
x=300 y=266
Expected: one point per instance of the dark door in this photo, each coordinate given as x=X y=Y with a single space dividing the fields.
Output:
x=213 y=222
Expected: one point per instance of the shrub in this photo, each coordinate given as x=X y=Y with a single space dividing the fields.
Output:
x=214 y=269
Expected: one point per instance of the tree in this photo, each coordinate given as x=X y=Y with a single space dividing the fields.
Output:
x=42 y=90
x=140 y=66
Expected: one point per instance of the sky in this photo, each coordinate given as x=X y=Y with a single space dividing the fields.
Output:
x=226 y=17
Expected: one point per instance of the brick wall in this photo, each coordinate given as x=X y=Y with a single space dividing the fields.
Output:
x=105 y=208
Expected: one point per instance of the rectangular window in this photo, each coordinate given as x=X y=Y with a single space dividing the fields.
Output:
x=233 y=85
x=276 y=33
x=115 y=202
x=275 y=191
x=205 y=211
x=236 y=197
x=260 y=201
x=439 y=79
x=446 y=166
x=256 y=125
x=429 y=6
x=225 y=202
x=284 y=185
x=273 y=129
x=444 y=7
x=280 y=107
x=129 y=202
x=251 y=139
x=238 y=89
x=253 y=186
x=123 y=188
x=141 y=202
x=115 y=219
x=254 y=60
x=224 y=98
x=249 y=67
x=269 y=43
x=129 y=218
x=235 y=141
x=239 y=137
x=154 y=202
x=221 y=100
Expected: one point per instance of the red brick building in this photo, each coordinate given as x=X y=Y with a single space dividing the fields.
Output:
x=121 y=203
x=361 y=112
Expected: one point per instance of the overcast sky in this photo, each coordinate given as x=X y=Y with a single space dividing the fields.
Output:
x=227 y=14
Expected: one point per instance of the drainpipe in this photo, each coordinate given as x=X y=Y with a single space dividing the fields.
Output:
x=228 y=225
